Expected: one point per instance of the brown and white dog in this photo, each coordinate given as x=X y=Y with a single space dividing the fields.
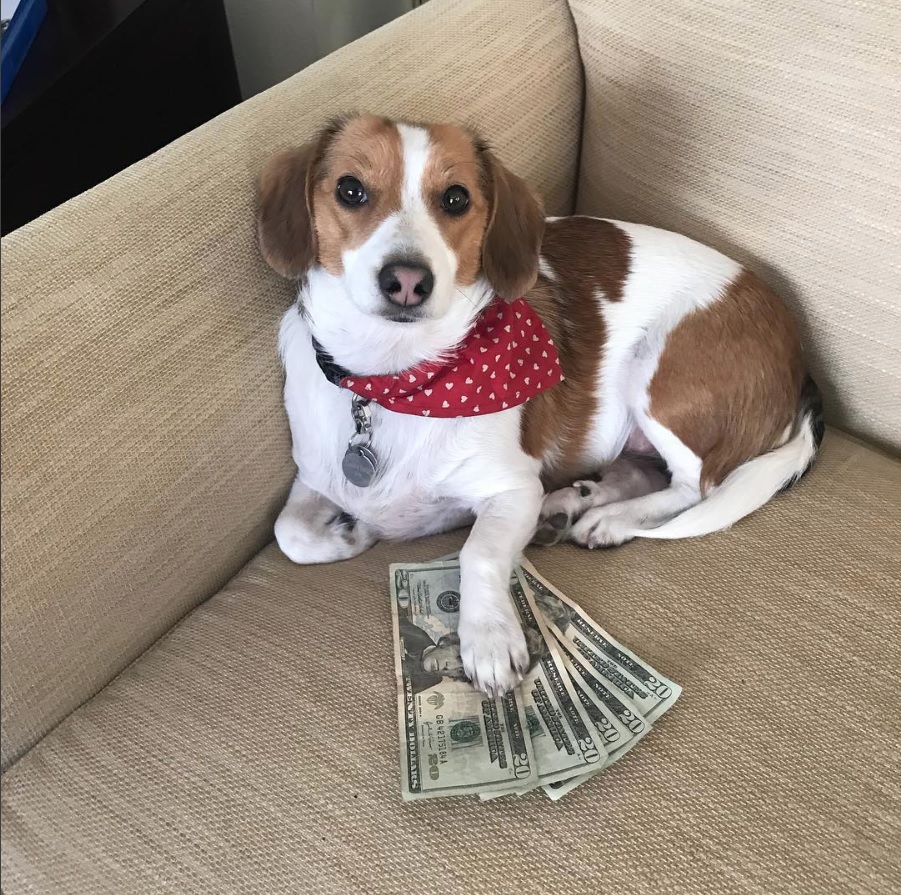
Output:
x=400 y=236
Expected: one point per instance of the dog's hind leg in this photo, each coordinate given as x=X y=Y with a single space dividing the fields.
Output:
x=627 y=478
x=616 y=523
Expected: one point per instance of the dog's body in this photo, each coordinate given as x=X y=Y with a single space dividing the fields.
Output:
x=669 y=350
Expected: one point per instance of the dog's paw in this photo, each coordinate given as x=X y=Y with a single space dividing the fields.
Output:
x=602 y=527
x=552 y=530
x=558 y=511
x=305 y=541
x=494 y=654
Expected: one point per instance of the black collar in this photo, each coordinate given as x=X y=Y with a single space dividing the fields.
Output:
x=333 y=371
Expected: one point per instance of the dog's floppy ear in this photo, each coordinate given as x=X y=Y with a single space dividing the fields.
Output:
x=284 y=215
x=285 y=206
x=513 y=238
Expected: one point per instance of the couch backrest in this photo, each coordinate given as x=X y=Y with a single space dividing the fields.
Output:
x=144 y=447
x=772 y=130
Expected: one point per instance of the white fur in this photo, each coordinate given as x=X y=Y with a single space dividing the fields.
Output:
x=435 y=474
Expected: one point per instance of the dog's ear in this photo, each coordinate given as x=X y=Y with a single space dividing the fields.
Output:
x=513 y=238
x=285 y=227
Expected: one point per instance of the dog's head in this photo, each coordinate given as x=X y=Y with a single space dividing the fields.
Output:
x=405 y=215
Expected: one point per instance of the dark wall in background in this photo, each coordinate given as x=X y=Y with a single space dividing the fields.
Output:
x=106 y=83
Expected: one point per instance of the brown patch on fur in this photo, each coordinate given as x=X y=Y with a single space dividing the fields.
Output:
x=300 y=221
x=585 y=255
x=500 y=235
x=729 y=378
x=284 y=227
x=454 y=159
x=368 y=148
x=513 y=238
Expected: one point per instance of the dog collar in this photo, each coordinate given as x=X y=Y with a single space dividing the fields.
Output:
x=506 y=358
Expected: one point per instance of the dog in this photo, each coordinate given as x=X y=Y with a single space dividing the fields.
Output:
x=413 y=248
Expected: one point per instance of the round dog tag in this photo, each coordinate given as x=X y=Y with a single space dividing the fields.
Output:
x=359 y=465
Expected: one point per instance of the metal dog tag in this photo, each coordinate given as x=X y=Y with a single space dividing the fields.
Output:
x=360 y=463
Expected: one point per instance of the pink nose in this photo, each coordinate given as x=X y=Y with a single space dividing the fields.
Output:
x=406 y=284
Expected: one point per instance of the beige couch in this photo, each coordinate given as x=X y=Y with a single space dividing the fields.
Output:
x=184 y=711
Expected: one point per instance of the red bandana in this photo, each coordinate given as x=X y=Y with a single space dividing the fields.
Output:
x=507 y=358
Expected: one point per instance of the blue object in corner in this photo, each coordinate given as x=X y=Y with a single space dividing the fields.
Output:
x=17 y=39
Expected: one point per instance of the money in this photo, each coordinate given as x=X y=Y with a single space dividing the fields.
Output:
x=453 y=739
x=562 y=733
x=614 y=707
x=651 y=692
x=584 y=703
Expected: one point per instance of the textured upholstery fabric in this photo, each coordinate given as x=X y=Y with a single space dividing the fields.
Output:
x=145 y=449
x=771 y=130
x=254 y=748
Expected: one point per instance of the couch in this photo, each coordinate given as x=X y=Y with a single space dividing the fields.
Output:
x=185 y=711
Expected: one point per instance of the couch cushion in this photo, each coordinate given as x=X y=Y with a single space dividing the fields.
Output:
x=145 y=447
x=771 y=130
x=254 y=748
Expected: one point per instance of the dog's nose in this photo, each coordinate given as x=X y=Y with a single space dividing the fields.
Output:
x=406 y=284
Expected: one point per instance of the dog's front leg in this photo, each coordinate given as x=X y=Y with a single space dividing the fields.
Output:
x=492 y=644
x=312 y=529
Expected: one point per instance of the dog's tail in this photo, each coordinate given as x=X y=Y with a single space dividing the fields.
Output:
x=752 y=484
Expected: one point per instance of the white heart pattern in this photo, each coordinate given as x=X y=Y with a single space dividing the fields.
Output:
x=512 y=361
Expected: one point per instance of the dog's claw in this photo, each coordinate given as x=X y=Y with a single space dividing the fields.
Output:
x=493 y=653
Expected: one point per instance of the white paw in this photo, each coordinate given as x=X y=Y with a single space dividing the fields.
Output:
x=602 y=527
x=494 y=654
x=305 y=541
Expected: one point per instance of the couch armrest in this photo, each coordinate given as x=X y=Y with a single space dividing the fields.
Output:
x=144 y=448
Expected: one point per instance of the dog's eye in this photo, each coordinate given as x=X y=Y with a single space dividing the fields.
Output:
x=455 y=199
x=350 y=192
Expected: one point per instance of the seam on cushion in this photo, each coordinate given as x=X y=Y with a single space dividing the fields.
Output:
x=577 y=49
x=577 y=188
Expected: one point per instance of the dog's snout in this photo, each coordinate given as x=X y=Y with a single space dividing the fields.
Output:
x=406 y=283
